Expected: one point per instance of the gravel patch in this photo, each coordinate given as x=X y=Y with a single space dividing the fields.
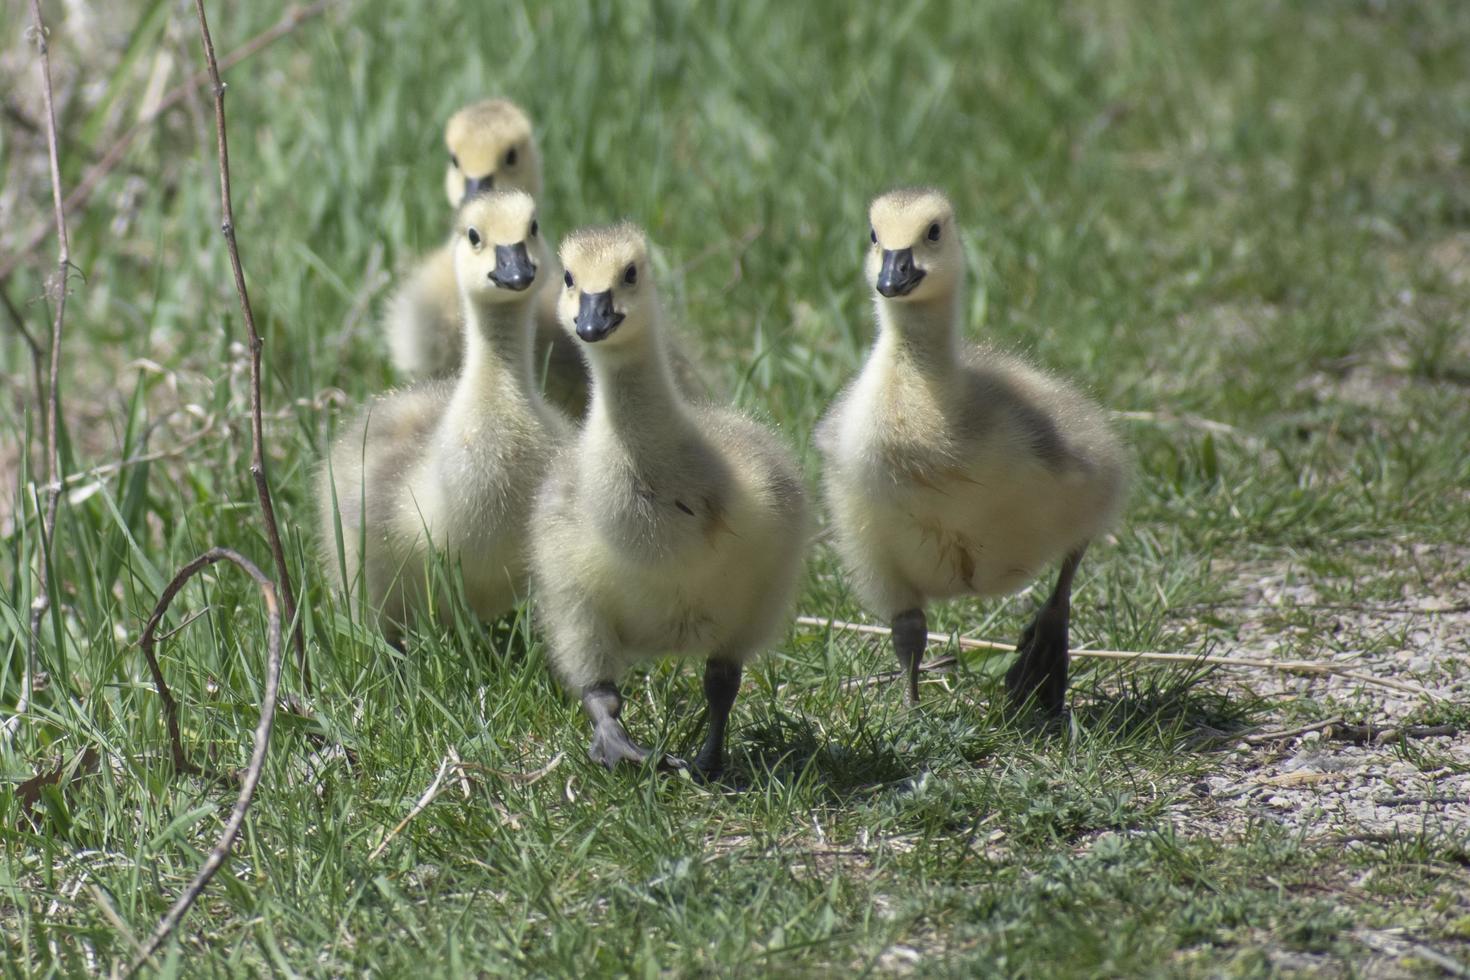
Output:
x=1333 y=784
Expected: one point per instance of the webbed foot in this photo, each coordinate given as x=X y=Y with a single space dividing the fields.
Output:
x=1039 y=674
x=611 y=743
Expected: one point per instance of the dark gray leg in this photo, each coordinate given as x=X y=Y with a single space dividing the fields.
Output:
x=1040 y=671
x=721 y=684
x=610 y=741
x=910 y=635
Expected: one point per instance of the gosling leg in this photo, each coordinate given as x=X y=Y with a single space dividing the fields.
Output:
x=910 y=635
x=721 y=684
x=1040 y=671
x=611 y=743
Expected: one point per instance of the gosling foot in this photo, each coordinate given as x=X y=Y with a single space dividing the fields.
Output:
x=1039 y=674
x=611 y=743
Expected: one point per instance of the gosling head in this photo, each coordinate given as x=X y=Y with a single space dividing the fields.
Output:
x=607 y=296
x=915 y=253
x=490 y=147
x=498 y=249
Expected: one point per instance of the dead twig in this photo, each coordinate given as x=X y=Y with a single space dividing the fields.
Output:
x=251 y=779
x=1308 y=667
x=452 y=763
x=50 y=399
x=937 y=664
x=419 y=807
x=1264 y=738
x=1340 y=730
x=519 y=778
x=257 y=434
x=114 y=154
x=117 y=466
x=1379 y=734
x=1190 y=422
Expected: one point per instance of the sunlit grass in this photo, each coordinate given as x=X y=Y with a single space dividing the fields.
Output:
x=1238 y=213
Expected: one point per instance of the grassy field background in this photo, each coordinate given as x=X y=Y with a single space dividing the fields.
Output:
x=1245 y=224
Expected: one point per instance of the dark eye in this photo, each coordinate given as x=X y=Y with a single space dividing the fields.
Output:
x=534 y=228
x=934 y=232
x=630 y=275
x=510 y=157
x=474 y=237
x=568 y=280
x=454 y=160
x=873 y=235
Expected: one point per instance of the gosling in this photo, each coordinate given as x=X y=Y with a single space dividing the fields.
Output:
x=491 y=145
x=666 y=527
x=953 y=470
x=452 y=467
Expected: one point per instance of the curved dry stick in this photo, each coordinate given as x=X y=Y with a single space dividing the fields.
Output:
x=1309 y=667
x=109 y=160
x=221 y=849
x=257 y=434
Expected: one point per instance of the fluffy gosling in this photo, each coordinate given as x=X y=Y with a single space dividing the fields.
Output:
x=954 y=470
x=491 y=145
x=453 y=466
x=666 y=527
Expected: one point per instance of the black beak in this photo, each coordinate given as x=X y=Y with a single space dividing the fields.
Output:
x=513 y=267
x=477 y=185
x=899 y=275
x=596 y=317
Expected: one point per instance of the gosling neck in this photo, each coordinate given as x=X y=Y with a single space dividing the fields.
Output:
x=633 y=396
x=922 y=335
x=498 y=350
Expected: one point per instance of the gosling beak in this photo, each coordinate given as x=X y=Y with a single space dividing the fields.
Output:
x=477 y=185
x=513 y=267
x=596 y=317
x=899 y=275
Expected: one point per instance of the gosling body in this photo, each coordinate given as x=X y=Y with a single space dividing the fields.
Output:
x=452 y=467
x=953 y=470
x=666 y=527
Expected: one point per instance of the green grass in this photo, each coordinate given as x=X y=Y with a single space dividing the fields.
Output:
x=1255 y=213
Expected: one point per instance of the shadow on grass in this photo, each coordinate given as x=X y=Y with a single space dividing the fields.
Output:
x=1172 y=706
x=784 y=748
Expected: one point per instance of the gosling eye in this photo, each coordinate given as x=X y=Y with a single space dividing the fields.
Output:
x=567 y=278
x=474 y=237
x=934 y=232
x=510 y=157
x=454 y=161
x=534 y=228
x=873 y=235
x=630 y=275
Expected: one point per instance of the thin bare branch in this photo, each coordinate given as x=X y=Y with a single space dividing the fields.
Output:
x=114 y=154
x=1309 y=667
x=257 y=434
x=50 y=399
x=1263 y=738
x=251 y=779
